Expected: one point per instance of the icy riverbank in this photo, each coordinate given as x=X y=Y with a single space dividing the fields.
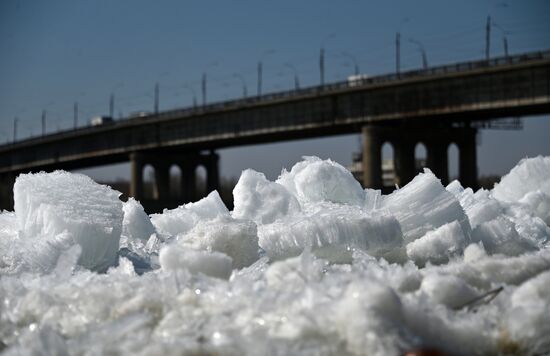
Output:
x=309 y=264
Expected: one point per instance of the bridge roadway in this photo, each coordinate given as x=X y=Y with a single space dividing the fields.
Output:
x=441 y=104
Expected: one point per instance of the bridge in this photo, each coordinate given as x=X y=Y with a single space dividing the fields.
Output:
x=437 y=106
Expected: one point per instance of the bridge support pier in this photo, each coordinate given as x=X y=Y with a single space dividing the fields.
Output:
x=404 y=140
x=7 y=181
x=468 y=160
x=136 y=179
x=162 y=163
x=372 y=157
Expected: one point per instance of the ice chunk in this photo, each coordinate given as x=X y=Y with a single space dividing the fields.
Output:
x=500 y=236
x=8 y=224
x=529 y=175
x=373 y=199
x=538 y=204
x=185 y=217
x=455 y=188
x=424 y=205
x=260 y=200
x=480 y=206
x=49 y=204
x=214 y=264
x=8 y=242
x=439 y=245
x=235 y=238
x=316 y=180
x=332 y=226
x=136 y=224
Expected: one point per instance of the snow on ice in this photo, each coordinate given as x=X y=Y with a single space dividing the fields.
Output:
x=310 y=264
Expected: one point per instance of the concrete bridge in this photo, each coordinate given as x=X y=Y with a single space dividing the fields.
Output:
x=437 y=106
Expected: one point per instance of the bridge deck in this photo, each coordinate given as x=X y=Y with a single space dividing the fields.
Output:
x=471 y=91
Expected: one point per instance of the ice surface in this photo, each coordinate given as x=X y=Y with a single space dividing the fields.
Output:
x=530 y=174
x=308 y=265
x=439 y=245
x=332 y=227
x=185 y=217
x=262 y=201
x=424 y=205
x=136 y=223
x=314 y=180
x=55 y=210
x=500 y=236
x=236 y=238
x=215 y=264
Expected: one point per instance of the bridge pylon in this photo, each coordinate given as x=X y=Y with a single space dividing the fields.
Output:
x=162 y=194
x=404 y=139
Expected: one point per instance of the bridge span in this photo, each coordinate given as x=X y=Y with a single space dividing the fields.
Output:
x=436 y=106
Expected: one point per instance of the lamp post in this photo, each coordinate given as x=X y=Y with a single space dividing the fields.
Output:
x=322 y=58
x=43 y=117
x=422 y=51
x=203 y=82
x=296 y=79
x=112 y=99
x=243 y=82
x=193 y=92
x=504 y=38
x=15 y=120
x=398 y=46
x=488 y=38
x=260 y=69
x=354 y=60
x=157 y=89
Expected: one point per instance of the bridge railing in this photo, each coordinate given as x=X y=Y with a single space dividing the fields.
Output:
x=314 y=90
x=341 y=85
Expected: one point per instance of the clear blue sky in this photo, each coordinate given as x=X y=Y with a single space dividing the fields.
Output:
x=56 y=52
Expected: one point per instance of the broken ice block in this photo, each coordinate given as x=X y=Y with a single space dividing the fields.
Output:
x=50 y=204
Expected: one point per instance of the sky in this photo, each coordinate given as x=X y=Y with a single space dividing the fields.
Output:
x=58 y=52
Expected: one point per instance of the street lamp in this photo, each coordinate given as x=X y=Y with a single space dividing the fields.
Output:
x=296 y=79
x=203 y=82
x=43 y=117
x=75 y=109
x=398 y=45
x=112 y=99
x=15 y=120
x=157 y=89
x=322 y=58
x=193 y=92
x=504 y=38
x=243 y=82
x=422 y=51
x=260 y=69
x=354 y=60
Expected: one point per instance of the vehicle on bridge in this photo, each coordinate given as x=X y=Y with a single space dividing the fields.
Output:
x=139 y=114
x=100 y=120
x=356 y=80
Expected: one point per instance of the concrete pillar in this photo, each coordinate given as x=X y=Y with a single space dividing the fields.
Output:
x=404 y=161
x=438 y=160
x=372 y=158
x=136 y=184
x=7 y=181
x=212 y=172
x=162 y=179
x=188 y=183
x=468 y=158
